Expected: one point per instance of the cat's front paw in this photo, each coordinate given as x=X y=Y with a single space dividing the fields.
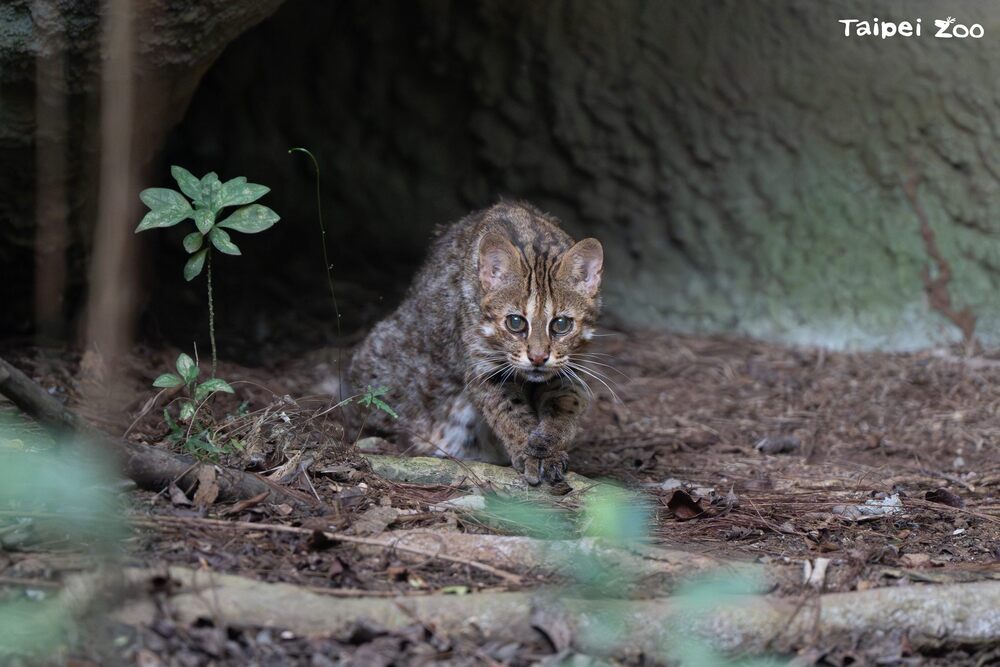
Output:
x=550 y=468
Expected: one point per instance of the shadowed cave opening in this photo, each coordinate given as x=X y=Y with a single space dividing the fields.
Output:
x=398 y=100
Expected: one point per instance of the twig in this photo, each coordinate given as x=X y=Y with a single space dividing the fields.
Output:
x=29 y=583
x=351 y=539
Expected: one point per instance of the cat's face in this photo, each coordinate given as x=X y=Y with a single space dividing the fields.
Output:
x=537 y=309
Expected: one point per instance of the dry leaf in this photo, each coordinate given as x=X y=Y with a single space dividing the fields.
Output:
x=287 y=470
x=208 y=486
x=781 y=444
x=945 y=497
x=336 y=568
x=915 y=560
x=684 y=506
x=873 y=508
x=554 y=627
x=375 y=520
x=244 y=505
x=178 y=497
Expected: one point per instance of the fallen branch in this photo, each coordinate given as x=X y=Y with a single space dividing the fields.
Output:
x=648 y=568
x=151 y=468
x=342 y=537
x=931 y=616
x=645 y=569
x=467 y=474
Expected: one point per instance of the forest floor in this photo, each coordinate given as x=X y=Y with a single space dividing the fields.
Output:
x=745 y=450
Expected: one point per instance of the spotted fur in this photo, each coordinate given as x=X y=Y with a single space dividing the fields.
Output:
x=464 y=380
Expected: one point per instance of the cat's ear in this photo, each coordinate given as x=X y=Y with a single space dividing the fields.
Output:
x=582 y=265
x=497 y=261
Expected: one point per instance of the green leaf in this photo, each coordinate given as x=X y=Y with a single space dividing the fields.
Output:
x=371 y=398
x=251 y=219
x=201 y=446
x=168 y=381
x=187 y=368
x=163 y=217
x=210 y=387
x=238 y=192
x=161 y=198
x=204 y=219
x=193 y=241
x=211 y=187
x=167 y=208
x=384 y=407
x=187 y=411
x=175 y=428
x=194 y=265
x=189 y=183
x=220 y=239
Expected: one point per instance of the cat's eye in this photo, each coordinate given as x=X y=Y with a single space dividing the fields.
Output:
x=516 y=324
x=561 y=325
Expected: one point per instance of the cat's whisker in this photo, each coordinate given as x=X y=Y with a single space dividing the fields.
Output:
x=488 y=377
x=597 y=373
x=510 y=371
x=608 y=366
x=599 y=378
x=491 y=370
x=570 y=373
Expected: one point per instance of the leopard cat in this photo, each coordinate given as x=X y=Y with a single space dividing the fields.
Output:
x=479 y=357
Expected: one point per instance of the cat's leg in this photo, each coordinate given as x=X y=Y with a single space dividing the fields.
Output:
x=452 y=429
x=510 y=415
x=546 y=454
x=535 y=424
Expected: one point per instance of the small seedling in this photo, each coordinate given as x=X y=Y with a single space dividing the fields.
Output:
x=196 y=440
x=209 y=195
x=372 y=399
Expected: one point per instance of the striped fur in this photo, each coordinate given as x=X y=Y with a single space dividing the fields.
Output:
x=464 y=381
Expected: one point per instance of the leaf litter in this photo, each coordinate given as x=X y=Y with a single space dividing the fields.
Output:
x=859 y=453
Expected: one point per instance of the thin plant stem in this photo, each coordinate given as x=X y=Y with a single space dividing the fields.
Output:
x=329 y=269
x=211 y=313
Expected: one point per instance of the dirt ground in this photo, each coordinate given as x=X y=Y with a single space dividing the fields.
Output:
x=747 y=451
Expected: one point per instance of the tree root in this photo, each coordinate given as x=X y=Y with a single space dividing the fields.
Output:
x=449 y=472
x=930 y=616
x=644 y=569
x=149 y=467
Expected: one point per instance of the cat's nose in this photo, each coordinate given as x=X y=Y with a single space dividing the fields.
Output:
x=538 y=358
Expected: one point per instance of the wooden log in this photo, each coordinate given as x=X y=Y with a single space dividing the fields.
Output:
x=930 y=616
x=468 y=474
x=150 y=467
x=637 y=569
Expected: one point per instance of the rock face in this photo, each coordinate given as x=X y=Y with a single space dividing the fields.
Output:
x=742 y=162
x=748 y=167
x=50 y=87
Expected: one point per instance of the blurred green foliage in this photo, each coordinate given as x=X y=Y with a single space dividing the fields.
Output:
x=622 y=518
x=56 y=496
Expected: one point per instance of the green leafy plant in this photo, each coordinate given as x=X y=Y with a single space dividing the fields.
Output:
x=372 y=398
x=208 y=197
x=196 y=439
